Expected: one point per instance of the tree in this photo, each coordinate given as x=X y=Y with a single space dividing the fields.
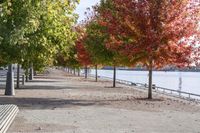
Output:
x=68 y=58
x=154 y=32
x=83 y=55
x=33 y=31
x=96 y=36
x=94 y=42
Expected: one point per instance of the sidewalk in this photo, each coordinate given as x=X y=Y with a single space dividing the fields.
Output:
x=61 y=103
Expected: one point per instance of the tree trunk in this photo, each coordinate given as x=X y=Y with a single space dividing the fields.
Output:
x=23 y=79
x=86 y=71
x=10 y=91
x=31 y=72
x=74 y=71
x=96 y=73
x=35 y=73
x=114 y=76
x=26 y=73
x=70 y=70
x=18 y=76
x=150 y=81
x=78 y=72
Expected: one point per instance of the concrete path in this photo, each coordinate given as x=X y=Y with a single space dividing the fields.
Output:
x=61 y=103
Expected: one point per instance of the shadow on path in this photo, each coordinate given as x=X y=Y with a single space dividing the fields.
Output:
x=48 y=77
x=42 y=81
x=154 y=99
x=45 y=87
x=47 y=103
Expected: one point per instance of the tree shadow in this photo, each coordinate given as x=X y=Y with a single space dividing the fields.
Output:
x=153 y=100
x=45 y=87
x=39 y=87
x=47 y=103
x=48 y=77
x=71 y=75
x=112 y=87
x=37 y=81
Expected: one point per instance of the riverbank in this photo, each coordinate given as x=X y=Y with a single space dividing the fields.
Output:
x=61 y=103
x=182 y=81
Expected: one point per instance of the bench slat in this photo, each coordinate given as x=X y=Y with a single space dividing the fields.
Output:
x=4 y=112
x=9 y=121
x=7 y=115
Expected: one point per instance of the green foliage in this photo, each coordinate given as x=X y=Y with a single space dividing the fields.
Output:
x=68 y=58
x=95 y=44
x=33 y=31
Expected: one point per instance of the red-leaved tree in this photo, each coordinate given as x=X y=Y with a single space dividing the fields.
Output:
x=155 y=33
x=83 y=55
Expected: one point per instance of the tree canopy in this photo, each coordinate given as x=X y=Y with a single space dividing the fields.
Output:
x=162 y=32
x=154 y=33
x=35 y=30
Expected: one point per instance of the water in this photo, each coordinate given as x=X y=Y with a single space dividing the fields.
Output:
x=184 y=81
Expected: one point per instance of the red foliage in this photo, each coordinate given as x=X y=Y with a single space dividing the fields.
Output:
x=83 y=56
x=163 y=32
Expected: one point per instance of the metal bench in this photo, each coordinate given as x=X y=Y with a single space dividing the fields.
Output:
x=7 y=115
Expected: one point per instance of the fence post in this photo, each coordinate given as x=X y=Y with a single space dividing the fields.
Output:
x=145 y=85
x=153 y=86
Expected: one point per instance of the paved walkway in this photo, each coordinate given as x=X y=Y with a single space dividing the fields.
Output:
x=61 y=103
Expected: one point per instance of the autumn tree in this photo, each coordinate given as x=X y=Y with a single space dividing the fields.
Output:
x=68 y=59
x=96 y=36
x=155 y=33
x=95 y=42
x=83 y=55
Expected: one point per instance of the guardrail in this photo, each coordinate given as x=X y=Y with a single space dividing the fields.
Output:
x=177 y=93
x=21 y=78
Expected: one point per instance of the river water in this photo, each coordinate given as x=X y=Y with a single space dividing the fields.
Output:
x=184 y=81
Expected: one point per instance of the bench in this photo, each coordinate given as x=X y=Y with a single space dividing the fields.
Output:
x=7 y=115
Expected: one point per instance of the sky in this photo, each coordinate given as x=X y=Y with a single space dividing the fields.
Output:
x=81 y=8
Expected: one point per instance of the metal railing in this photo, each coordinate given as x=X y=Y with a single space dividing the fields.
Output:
x=21 y=78
x=177 y=93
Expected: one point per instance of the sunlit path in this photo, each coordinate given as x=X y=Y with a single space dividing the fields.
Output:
x=62 y=103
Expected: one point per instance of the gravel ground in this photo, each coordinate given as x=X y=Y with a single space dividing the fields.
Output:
x=61 y=103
